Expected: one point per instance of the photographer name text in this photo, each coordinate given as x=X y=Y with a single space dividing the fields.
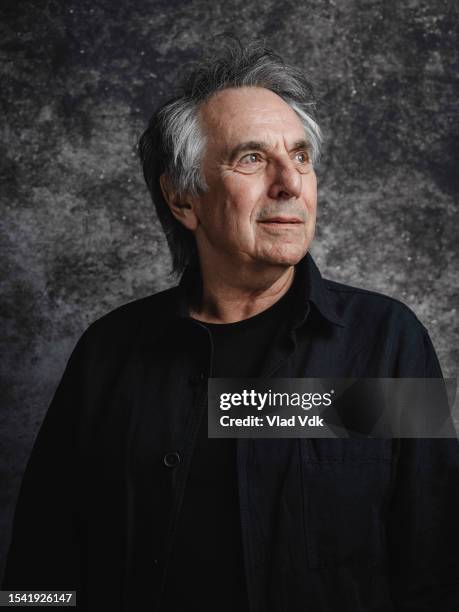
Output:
x=272 y=421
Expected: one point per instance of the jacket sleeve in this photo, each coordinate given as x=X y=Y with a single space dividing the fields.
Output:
x=48 y=533
x=423 y=525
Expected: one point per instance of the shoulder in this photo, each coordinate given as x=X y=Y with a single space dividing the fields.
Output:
x=130 y=323
x=356 y=306
x=385 y=325
x=133 y=313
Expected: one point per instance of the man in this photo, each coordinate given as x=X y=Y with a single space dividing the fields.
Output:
x=127 y=500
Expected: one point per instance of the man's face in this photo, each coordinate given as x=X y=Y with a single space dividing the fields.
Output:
x=260 y=205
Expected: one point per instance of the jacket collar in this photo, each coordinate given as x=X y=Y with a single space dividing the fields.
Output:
x=314 y=289
x=308 y=284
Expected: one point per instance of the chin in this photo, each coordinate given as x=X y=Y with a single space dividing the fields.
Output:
x=289 y=256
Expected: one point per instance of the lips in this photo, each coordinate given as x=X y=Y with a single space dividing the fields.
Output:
x=282 y=220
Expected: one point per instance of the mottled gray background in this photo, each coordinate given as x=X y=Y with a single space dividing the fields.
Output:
x=79 y=82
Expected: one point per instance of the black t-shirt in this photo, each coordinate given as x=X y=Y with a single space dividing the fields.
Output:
x=207 y=566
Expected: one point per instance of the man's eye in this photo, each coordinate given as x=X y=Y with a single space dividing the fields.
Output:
x=250 y=158
x=302 y=157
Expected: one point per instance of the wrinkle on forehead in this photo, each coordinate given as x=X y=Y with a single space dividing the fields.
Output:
x=249 y=113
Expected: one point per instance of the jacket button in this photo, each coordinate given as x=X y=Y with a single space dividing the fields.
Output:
x=171 y=460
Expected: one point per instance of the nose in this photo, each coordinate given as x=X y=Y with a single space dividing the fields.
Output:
x=286 y=181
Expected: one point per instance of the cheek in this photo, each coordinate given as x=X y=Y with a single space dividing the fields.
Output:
x=244 y=196
x=310 y=196
x=312 y=205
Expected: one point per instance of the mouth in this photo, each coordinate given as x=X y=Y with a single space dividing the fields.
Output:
x=281 y=220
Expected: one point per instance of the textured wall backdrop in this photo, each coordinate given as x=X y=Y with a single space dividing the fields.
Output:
x=79 y=82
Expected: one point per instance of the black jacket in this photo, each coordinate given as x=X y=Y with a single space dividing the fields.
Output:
x=354 y=525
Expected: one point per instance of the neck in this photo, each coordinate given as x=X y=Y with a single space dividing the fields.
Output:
x=228 y=297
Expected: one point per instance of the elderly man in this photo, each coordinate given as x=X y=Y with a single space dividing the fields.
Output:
x=127 y=500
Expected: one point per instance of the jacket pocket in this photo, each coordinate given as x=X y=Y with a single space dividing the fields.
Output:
x=345 y=488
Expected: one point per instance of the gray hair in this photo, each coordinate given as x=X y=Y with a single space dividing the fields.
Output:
x=174 y=143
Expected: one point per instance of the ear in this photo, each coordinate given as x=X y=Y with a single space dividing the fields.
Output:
x=181 y=206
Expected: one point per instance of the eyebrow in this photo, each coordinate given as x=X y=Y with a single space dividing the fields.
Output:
x=254 y=145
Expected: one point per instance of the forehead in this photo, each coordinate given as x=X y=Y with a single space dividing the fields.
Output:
x=249 y=113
